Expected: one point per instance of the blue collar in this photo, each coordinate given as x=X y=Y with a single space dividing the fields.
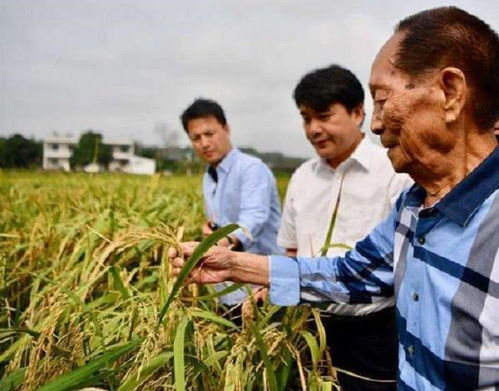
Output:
x=228 y=160
x=226 y=163
x=465 y=198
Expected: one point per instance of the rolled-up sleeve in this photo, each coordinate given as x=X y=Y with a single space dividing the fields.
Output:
x=363 y=275
x=284 y=281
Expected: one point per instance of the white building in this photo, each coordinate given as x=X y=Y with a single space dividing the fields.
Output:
x=125 y=160
x=56 y=153
x=141 y=165
x=122 y=152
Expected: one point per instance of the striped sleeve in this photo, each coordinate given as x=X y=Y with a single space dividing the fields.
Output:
x=362 y=275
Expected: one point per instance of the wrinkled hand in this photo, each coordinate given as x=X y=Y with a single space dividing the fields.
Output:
x=214 y=266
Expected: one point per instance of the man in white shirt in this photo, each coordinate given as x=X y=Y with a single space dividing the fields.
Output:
x=352 y=179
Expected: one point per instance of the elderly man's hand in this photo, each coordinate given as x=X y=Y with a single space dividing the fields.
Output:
x=214 y=266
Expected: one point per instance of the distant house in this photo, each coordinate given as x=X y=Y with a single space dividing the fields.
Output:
x=125 y=160
x=122 y=152
x=56 y=153
x=140 y=165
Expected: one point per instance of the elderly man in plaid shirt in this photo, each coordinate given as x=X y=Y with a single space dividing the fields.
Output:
x=435 y=86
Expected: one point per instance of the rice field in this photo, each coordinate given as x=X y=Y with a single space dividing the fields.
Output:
x=84 y=278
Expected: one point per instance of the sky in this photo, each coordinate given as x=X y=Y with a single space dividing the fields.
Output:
x=122 y=67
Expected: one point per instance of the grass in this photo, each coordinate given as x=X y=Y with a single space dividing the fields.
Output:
x=84 y=278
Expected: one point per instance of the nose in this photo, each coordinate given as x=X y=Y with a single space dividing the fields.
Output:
x=313 y=128
x=204 y=142
x=376 y=123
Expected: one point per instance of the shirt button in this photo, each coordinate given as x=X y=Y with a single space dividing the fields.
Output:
x=421 y=240
x=415 y=296
x=410 y=350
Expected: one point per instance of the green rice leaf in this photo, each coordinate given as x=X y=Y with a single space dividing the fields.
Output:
x=231 y=288
x=285 y=371
x=179 y=355
x=340 y=245
x=193 y=260
x=312 y=345
x=13 y=380
x=265 y=357
x=327 y=386
x=214 y=318
x=77 y=377
x=320 y=330
x=118 y=282
x=215 y=358
x=136 y=378
x=265 y=320
x=11 y=350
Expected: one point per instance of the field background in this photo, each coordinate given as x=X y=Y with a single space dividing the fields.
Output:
x=84 y=274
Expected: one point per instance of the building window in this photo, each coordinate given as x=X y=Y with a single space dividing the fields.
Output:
x=55 y=147
x=124 y=148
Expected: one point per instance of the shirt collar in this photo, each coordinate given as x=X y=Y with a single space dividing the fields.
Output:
x=227 y=162
x=464 y=199
x=360 y=155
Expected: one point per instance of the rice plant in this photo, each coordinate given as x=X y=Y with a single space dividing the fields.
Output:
x=87 y=298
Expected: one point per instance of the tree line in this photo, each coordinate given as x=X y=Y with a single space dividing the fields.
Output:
x=19 y=152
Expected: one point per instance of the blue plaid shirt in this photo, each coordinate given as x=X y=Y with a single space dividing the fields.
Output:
x=442 y=265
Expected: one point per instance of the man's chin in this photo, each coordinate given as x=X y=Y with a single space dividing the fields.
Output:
x=398 y=164
x=209 y=157
x=391 y=154
x=212 y=160
x=324 y=153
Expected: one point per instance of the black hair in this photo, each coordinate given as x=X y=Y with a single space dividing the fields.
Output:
x=448 y=36
x=201 y=108
x=323 y=87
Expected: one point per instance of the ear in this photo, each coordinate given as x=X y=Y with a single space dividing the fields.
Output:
x=358 y=114
x=455 y=88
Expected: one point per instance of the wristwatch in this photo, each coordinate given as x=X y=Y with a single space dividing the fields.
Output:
x=233 y=245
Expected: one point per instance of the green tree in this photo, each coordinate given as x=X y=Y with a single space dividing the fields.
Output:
x=90 y=149
x=2 y=151
x=17 y=151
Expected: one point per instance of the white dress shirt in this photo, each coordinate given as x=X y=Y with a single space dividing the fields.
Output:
x=369 y=191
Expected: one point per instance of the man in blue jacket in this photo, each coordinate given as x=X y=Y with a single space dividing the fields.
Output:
x=237 y=188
